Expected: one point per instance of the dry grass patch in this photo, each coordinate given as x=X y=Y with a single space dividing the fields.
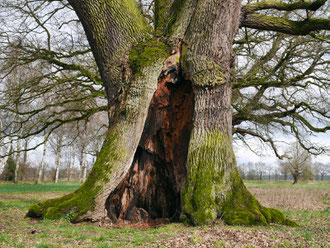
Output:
x=228 y=238
x=292 y=198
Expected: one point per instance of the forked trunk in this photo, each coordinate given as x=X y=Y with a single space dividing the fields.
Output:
x=168 y=151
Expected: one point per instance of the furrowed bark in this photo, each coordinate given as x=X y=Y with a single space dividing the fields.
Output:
x=213 y=187
x=162 y=15
x=168 y=151
x=114 y=160
x=111 y=27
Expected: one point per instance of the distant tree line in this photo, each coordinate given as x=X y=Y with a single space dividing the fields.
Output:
x=262 y=171
x=29 y=173
x=68 y=154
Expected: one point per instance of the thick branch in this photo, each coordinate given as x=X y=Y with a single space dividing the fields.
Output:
x=278 y=5
x=263 y=22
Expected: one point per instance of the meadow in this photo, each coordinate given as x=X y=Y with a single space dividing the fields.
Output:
x=307 y=203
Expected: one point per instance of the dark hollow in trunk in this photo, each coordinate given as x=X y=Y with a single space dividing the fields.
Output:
x=151 y=189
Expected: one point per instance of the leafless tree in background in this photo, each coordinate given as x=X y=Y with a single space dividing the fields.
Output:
x=298 y=163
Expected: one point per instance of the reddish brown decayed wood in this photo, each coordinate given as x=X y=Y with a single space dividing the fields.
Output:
x=151 y=189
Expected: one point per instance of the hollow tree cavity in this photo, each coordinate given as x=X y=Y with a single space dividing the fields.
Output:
x=168 y=151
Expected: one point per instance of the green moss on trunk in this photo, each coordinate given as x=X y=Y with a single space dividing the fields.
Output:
x=176 y=11
x=145 y=53
x=115 y=158
x=75 y=204
x=214 y=188
x=201 y=198
x=242 y=208
x=162 y=15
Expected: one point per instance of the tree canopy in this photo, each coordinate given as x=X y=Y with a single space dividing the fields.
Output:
x=281 y=81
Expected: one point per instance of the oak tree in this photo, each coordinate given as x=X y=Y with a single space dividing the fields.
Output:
x=168 y=151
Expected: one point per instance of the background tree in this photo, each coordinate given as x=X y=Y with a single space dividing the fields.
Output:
x=206 y=69
x=57 y=62
x=284 y=171
x=323 y=169
x=3 y=149
x=58 y=140
x=42 y=164
x=9 y=170
x=70 y=162
x=298 y=163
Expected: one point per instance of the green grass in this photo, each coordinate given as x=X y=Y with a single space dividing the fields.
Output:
x=17 y=231
x=17 y=203
x=21 y=188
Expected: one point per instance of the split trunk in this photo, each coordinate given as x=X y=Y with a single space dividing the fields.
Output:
x=168 y=152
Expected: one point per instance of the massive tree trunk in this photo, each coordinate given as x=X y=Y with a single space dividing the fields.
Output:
x=168 y=151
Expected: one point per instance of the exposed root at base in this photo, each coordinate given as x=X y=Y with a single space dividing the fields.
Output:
x=242 y=208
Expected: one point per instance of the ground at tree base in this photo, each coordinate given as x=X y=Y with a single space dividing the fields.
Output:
x=311 y=212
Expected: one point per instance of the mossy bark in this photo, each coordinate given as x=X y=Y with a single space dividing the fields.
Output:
x=168 y=151
x=213 y=187
x=114 y=160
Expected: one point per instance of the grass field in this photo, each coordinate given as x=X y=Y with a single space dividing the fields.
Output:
x=21 y=188
x=306 y=203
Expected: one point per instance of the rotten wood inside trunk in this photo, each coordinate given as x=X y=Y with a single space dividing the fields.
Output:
x=151 y=189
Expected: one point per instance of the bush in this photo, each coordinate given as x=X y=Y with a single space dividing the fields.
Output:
x=9 y=171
